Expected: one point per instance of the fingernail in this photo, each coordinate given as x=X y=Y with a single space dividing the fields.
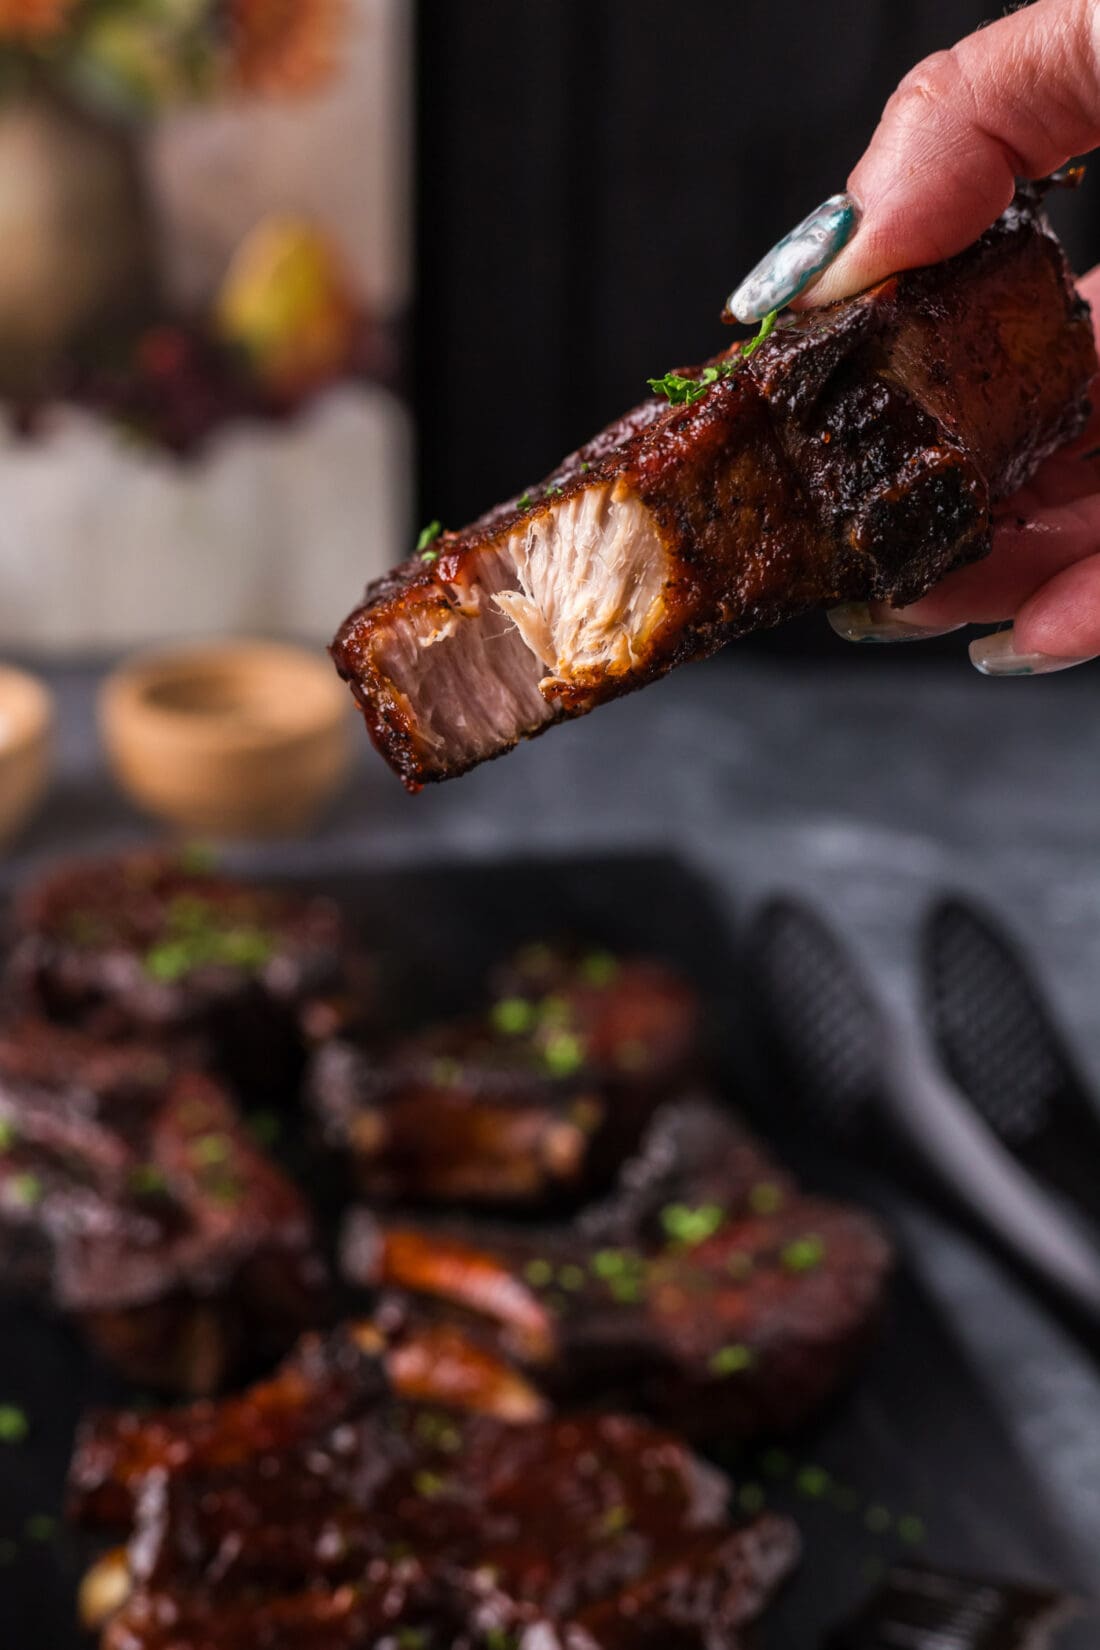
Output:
x=796 y=260
x=996 y=656
x=862 y=622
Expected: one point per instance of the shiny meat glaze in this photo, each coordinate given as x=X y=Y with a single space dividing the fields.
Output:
x=708 y=1289
x=533 y=1103
x=856 y=456
x=320 y=1509
x=133 y=1199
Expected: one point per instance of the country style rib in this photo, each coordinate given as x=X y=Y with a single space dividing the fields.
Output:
x=857 y=455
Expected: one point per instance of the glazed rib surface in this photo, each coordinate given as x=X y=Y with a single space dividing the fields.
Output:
x=856 y=456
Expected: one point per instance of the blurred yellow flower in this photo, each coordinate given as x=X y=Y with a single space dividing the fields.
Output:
x=284 y=47
x=287 y=301
x=34 y=19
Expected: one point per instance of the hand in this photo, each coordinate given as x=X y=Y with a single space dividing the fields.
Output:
x=1018 y=98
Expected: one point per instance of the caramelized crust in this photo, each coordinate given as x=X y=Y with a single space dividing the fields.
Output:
x=855 y=456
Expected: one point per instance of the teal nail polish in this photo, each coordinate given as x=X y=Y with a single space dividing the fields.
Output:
x=862 y=622
x=794 y=261
x=996 y=655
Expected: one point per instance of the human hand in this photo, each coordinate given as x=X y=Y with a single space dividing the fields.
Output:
x=1018 y=98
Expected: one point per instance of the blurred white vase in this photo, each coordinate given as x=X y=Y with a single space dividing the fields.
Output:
x=273 y=527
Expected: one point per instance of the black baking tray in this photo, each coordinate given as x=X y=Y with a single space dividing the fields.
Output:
x=913 y=1462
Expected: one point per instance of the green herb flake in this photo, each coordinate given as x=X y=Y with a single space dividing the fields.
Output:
x=690 y=1227
x=499 y=1638
x=211 y=1149
x=731 y=1360
x=197 y=935
x=563 y=1054
x=681 y=390
x=197 y=859
x=911 y=1530
x=445 y=1072
x=27 y=1189
x=430 y=1485
x=552 y=492
x=14 y=1426
x=265 y=1127
x=804 y=1254
x=428 y=535
x=8 y=1135
x=555 y=1010
x=614 y=1521
x=765 y=1198
x=538 y=1273
x=751 y=1497
x=599 y=968
x=609 y=1263
x=626 y=1290
x=412 y=1638
x=41 y=1527
x=512 y=1016
x=146 y=1179
x=813 y=1482
x=571 y=1278
x=585 y=467
x=524 y=501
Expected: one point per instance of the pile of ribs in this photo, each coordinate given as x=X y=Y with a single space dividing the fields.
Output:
x=857 y=454
x=146 y=1001
x=561 y=1261
x=326 y=1510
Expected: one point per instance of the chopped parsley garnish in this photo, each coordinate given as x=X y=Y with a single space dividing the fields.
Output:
x=599 y=968
x=585 y=467
x=911 y=1530
x=689 y=1226
x=614 y=1521
x=27 y=1189
x=428 y=535
x=524 y=501
x=538 y=1273
x=200 y=934
x=804 y=1254
x=147 y=1178
x=512 y=1016
x=765 y=1197
x=7 y=1135
x=14 y=1425
x=563 y=1054
x=731 y=1360
x=430 y=1485
x=552 y=492
x=682 y=391
x=571 y=1278
x=412 y=1638
x=210 y=1149
x=751 y=1497
x=813 y=1481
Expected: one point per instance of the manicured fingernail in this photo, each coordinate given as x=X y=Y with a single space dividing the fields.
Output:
x=796 y=260
x=864 y=622
x=996 y=656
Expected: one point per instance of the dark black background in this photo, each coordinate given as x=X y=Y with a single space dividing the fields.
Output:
x=593 y=178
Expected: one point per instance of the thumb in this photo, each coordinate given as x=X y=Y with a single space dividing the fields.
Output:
x=1016 y=99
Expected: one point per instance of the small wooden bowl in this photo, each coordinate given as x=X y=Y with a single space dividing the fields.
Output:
x=235 y=738
x=26 y=739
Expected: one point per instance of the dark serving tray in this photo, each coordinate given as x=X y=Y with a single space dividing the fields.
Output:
x=912 y=1463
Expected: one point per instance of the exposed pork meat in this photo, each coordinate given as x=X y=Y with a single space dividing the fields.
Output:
x=857 y=455
x=708 y=1289
x=134 y=1199
x=322 y=1510
x=157 y=946
x=533 y=1103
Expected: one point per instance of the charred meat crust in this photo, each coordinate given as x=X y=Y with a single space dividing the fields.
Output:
x=856 y=455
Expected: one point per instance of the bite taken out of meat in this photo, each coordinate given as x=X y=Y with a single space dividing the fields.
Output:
x=533 y=1103
x=158 y=945
x=135 y=1201
x=708 y=1291
x=856 y=455
x=324 y=1509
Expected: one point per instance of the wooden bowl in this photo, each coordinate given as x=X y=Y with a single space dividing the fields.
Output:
x=26 y=739
x=236 y=738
